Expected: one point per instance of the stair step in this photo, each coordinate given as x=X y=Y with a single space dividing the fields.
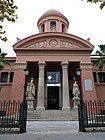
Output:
x=33 y=115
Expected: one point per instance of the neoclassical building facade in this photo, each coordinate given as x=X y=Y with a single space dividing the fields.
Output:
x=52 y=57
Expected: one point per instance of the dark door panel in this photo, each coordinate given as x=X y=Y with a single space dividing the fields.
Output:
x=53 y=97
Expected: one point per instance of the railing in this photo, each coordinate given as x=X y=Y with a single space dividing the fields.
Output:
x=13 y=116
x=91 y=114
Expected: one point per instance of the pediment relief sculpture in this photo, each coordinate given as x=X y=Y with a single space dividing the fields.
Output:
x=65 y=44
x=53 y=43
x=41 y=44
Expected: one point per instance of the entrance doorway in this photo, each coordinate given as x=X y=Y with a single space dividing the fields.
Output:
x=53 y=97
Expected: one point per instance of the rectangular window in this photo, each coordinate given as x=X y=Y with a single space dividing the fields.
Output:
x=94 y=76
x=101 y=76
x=4 y=77
x=11 y=77
x=53 y=78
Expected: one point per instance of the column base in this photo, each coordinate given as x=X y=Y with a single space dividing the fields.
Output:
x=66 y=108
x=40 y=108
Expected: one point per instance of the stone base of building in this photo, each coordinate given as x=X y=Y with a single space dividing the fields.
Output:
x=40 y=108
x=66 y=108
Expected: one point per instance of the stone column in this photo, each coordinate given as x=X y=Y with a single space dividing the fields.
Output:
x=46 y=25
x=8 y=81
x=40 y=97
x=97 y=77
x=65 y=86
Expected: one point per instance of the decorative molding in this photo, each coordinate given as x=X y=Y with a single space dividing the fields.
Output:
x=40 y=44
x=64 y=44
x=53 y=42
x=86 y=65
x=20 y=65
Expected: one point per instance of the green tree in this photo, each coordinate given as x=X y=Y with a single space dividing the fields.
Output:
x=3 y=61
x=102 y=2
x=7 y=11
x=101 y=53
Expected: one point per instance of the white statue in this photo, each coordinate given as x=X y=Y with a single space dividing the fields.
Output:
x=30 y=91
x=76 y=92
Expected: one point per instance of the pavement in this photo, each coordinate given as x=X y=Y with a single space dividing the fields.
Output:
x=52 y=126
x=53 y=130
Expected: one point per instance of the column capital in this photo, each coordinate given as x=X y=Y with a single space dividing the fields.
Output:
x=64 y=64
x=41 y=64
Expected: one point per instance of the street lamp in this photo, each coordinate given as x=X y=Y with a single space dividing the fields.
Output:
x=23 y=108
x=81 y=116
x=26 y=72
x=78 y=72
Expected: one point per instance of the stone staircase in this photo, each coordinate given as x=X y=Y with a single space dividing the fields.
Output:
x=45 y=115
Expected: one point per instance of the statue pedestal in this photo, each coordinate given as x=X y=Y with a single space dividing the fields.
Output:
x=76 y=101
x=30 y=102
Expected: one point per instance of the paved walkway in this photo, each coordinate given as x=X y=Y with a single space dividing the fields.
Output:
x=52 y=126
x=53 y=130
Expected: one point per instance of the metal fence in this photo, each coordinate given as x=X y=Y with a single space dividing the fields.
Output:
x=13 y=116
x=91 y=114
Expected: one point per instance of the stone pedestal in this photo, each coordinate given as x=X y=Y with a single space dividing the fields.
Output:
x=76 y=101
x=30 y=101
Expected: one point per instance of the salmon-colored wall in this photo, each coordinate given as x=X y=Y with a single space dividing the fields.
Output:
x=5 y=92
x=88 y=95
x=17 y=91
x=100 y=89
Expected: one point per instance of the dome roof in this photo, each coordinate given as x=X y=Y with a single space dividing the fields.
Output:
x=53 y=12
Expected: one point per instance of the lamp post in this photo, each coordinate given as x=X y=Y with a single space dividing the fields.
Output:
x=78 y=72
x=81 y=114
x=23 y=109
x=26 y=72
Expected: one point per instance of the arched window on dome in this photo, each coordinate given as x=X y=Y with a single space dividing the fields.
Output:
x=63 y=28
x=42 y=28
x=53 y=25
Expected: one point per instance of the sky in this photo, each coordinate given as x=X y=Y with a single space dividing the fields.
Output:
x=86 y=20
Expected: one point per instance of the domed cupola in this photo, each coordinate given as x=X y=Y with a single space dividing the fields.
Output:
x=53 y=21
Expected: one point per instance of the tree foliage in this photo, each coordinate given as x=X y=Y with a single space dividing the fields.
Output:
x=3 y=61
x=101 y=53
x=102 y=2
x=7 y=11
